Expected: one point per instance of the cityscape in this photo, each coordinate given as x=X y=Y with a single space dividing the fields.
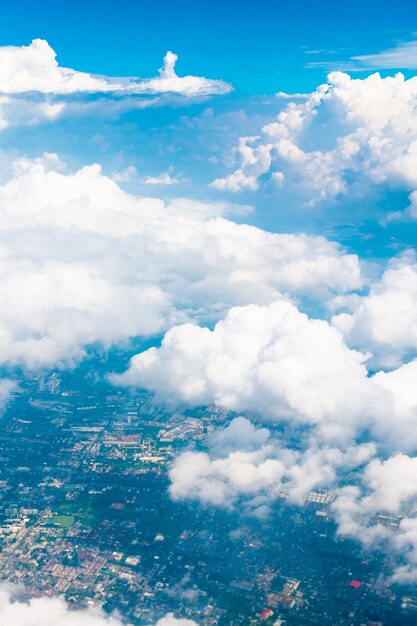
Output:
x=85 y=513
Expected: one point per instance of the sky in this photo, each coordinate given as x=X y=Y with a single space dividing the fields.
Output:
x=260 y=47
x=235 y=189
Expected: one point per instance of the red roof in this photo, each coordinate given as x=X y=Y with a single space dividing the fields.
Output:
x=355 y=583
x=265 y=614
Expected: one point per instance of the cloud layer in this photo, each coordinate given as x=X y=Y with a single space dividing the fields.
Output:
x=82 y=261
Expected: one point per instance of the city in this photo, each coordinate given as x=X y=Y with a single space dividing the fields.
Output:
x=85 y=513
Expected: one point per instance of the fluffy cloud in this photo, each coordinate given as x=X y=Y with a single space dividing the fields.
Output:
x=20 y=111
x=272 y=360
x=81 y=261
x=275 y=362
x=250 y=467
x=349 y=136
x=247 y=466
x=52 y=611
x=381 y=509
x=256 y=468
x=385 y=320
x=254 y=162
x=50 y=311
x=281 y=366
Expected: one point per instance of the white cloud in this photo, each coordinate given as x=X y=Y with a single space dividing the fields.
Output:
x=275 y=362
x=385 y=320
x=161 y=179
x=7 y=389
x=34 y=88
x=46 y=611
x=272 y=360
x=291 y=96
x=410 y=211
x=381 y=510
x=17 y=111
x=34 y=68
x=249 y=468
x=255 y=469
x=81 y=261
x=254 y=162
x=401 y=56
x=165 y=178
x=50 y=311
x=350 y=137
x=395 y=424
x=125 y=175
x=169 y=82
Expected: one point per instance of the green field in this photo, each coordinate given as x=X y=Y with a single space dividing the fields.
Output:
x=64 y=520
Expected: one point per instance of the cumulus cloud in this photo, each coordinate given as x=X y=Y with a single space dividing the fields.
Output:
x=17 y=111
x=168 y=81
x=380 y=509
x=51 y=311
x=275 y=362
x=254 y=161
x=385 y=320
x=377 y=506
x=82 y=261
x=46 y=611
x=246 y=464
x=272 y=360
x=250 y=467
x=349 y=137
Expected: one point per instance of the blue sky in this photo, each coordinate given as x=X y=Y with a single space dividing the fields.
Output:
x=260 y=46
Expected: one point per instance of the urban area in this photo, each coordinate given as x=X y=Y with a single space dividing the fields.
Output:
x=85 y=513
